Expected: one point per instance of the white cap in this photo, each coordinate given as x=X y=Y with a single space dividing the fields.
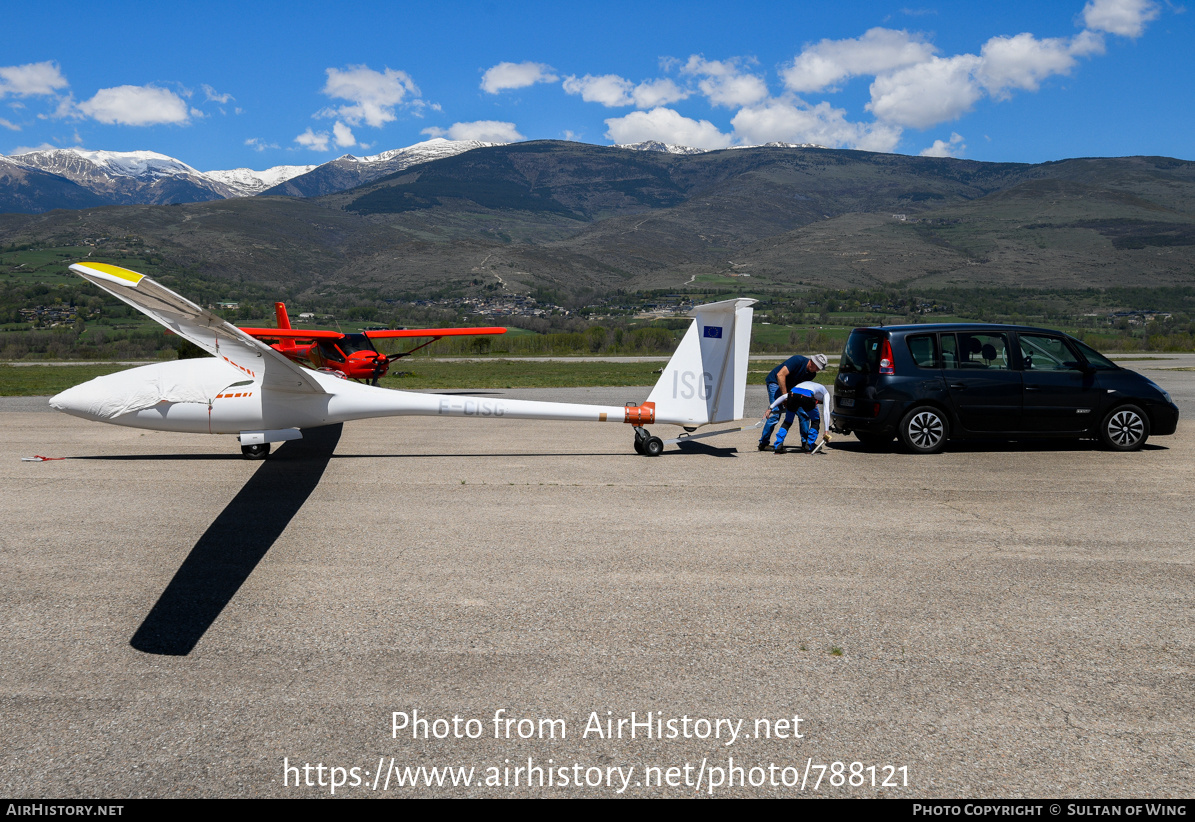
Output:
x=819 y=360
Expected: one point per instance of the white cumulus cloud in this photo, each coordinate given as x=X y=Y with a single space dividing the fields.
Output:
x=612 y=91
x=487 y=131
x=31 y=79
x=661 y=92
x=516 y=75
x=667 y=126
x=135 y=106
x=609 y=89
x=373 y=94
x=726 y=82
x=343 y=135
x=1023 y=62
x=954 y=147
x=944 y=88
x=8 y=124
x=1124 y=17
x=314 y=140
x=795 y=122
x=829 y=62
x=920 y=96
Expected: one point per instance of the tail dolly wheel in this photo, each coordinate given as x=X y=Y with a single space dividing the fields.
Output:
x=646 y=444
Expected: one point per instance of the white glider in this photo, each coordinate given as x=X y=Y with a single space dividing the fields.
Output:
x=249 y=389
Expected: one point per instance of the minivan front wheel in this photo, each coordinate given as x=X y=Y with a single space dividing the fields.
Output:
x=923 y=430
x=1125 y=428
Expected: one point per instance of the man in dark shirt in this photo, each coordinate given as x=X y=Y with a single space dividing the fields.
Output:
x=794 y=370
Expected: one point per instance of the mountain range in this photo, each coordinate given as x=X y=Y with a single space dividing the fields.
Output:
x=575 y=220
x=149 y=178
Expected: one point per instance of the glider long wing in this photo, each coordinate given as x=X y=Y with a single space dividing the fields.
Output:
x=202 y=327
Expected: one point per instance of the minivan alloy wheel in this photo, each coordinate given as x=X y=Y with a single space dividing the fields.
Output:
x=1125 y=429
x=923 y=431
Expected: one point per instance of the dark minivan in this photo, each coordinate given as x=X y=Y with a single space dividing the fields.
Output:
x=929 y=383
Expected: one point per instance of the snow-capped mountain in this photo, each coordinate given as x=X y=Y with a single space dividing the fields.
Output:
x=247 y=182
x=28 y=190
x=349 y=171
x=666 y=148
x=146 y=177
x=775 y=144
x=126 y=177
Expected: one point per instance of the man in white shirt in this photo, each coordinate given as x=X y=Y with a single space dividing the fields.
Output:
x=809 y=402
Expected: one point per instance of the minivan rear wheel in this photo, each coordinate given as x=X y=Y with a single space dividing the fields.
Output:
x=1125 y=428
x=923 y=430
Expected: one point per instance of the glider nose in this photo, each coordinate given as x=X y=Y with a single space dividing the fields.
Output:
x=78 y=401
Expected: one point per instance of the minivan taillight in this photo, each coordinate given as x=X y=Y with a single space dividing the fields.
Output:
x=886 y=365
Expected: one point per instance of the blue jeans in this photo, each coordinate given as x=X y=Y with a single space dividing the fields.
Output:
x=774 y=417
x=811 y=426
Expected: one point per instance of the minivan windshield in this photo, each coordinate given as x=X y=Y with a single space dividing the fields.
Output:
x=862 y=352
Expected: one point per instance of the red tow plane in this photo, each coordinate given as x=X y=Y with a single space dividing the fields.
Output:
x=353 y=356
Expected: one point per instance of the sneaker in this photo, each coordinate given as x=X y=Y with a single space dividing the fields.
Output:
x=781 y=449
x=763 y=446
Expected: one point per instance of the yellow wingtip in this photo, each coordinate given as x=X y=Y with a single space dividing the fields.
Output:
x=110 y=272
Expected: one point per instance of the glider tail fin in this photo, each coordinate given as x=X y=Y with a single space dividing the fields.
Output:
x=706 y=379
x=285 y=344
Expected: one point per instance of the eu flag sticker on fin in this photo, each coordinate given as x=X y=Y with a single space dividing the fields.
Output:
x=714 y=331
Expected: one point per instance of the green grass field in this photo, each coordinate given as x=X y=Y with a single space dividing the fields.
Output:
x=422 y=375
x=46 y=380
x=51 y=265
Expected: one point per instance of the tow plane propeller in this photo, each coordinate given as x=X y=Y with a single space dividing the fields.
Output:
x=258 y=393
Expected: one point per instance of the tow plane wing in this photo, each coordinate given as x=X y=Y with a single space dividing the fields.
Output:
x=256 y=360
x=313 y=334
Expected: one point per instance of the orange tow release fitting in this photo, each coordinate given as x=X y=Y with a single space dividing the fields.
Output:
x=638 y=415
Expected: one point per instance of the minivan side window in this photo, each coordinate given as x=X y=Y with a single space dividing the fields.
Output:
x=1041 y=353
x=983 y=349
x=924 y=348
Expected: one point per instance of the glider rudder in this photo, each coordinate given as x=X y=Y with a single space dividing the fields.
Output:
x=706 y=379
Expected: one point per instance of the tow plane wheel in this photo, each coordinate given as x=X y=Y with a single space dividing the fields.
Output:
x=653 y=447
x=256 y=452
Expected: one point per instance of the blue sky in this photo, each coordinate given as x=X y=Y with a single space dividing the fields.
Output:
x=253 y=84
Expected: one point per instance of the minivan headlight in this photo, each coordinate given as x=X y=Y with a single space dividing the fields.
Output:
x=1161 y=391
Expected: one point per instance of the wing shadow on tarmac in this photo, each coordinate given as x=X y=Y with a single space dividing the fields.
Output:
x=236 y=541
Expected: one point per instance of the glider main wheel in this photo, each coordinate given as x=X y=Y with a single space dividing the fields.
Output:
x=653 y=447
x=1125 y=428
x=924 y=430
x=256 y=452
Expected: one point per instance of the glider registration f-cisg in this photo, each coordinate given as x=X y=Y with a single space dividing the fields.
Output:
x=249 y=389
